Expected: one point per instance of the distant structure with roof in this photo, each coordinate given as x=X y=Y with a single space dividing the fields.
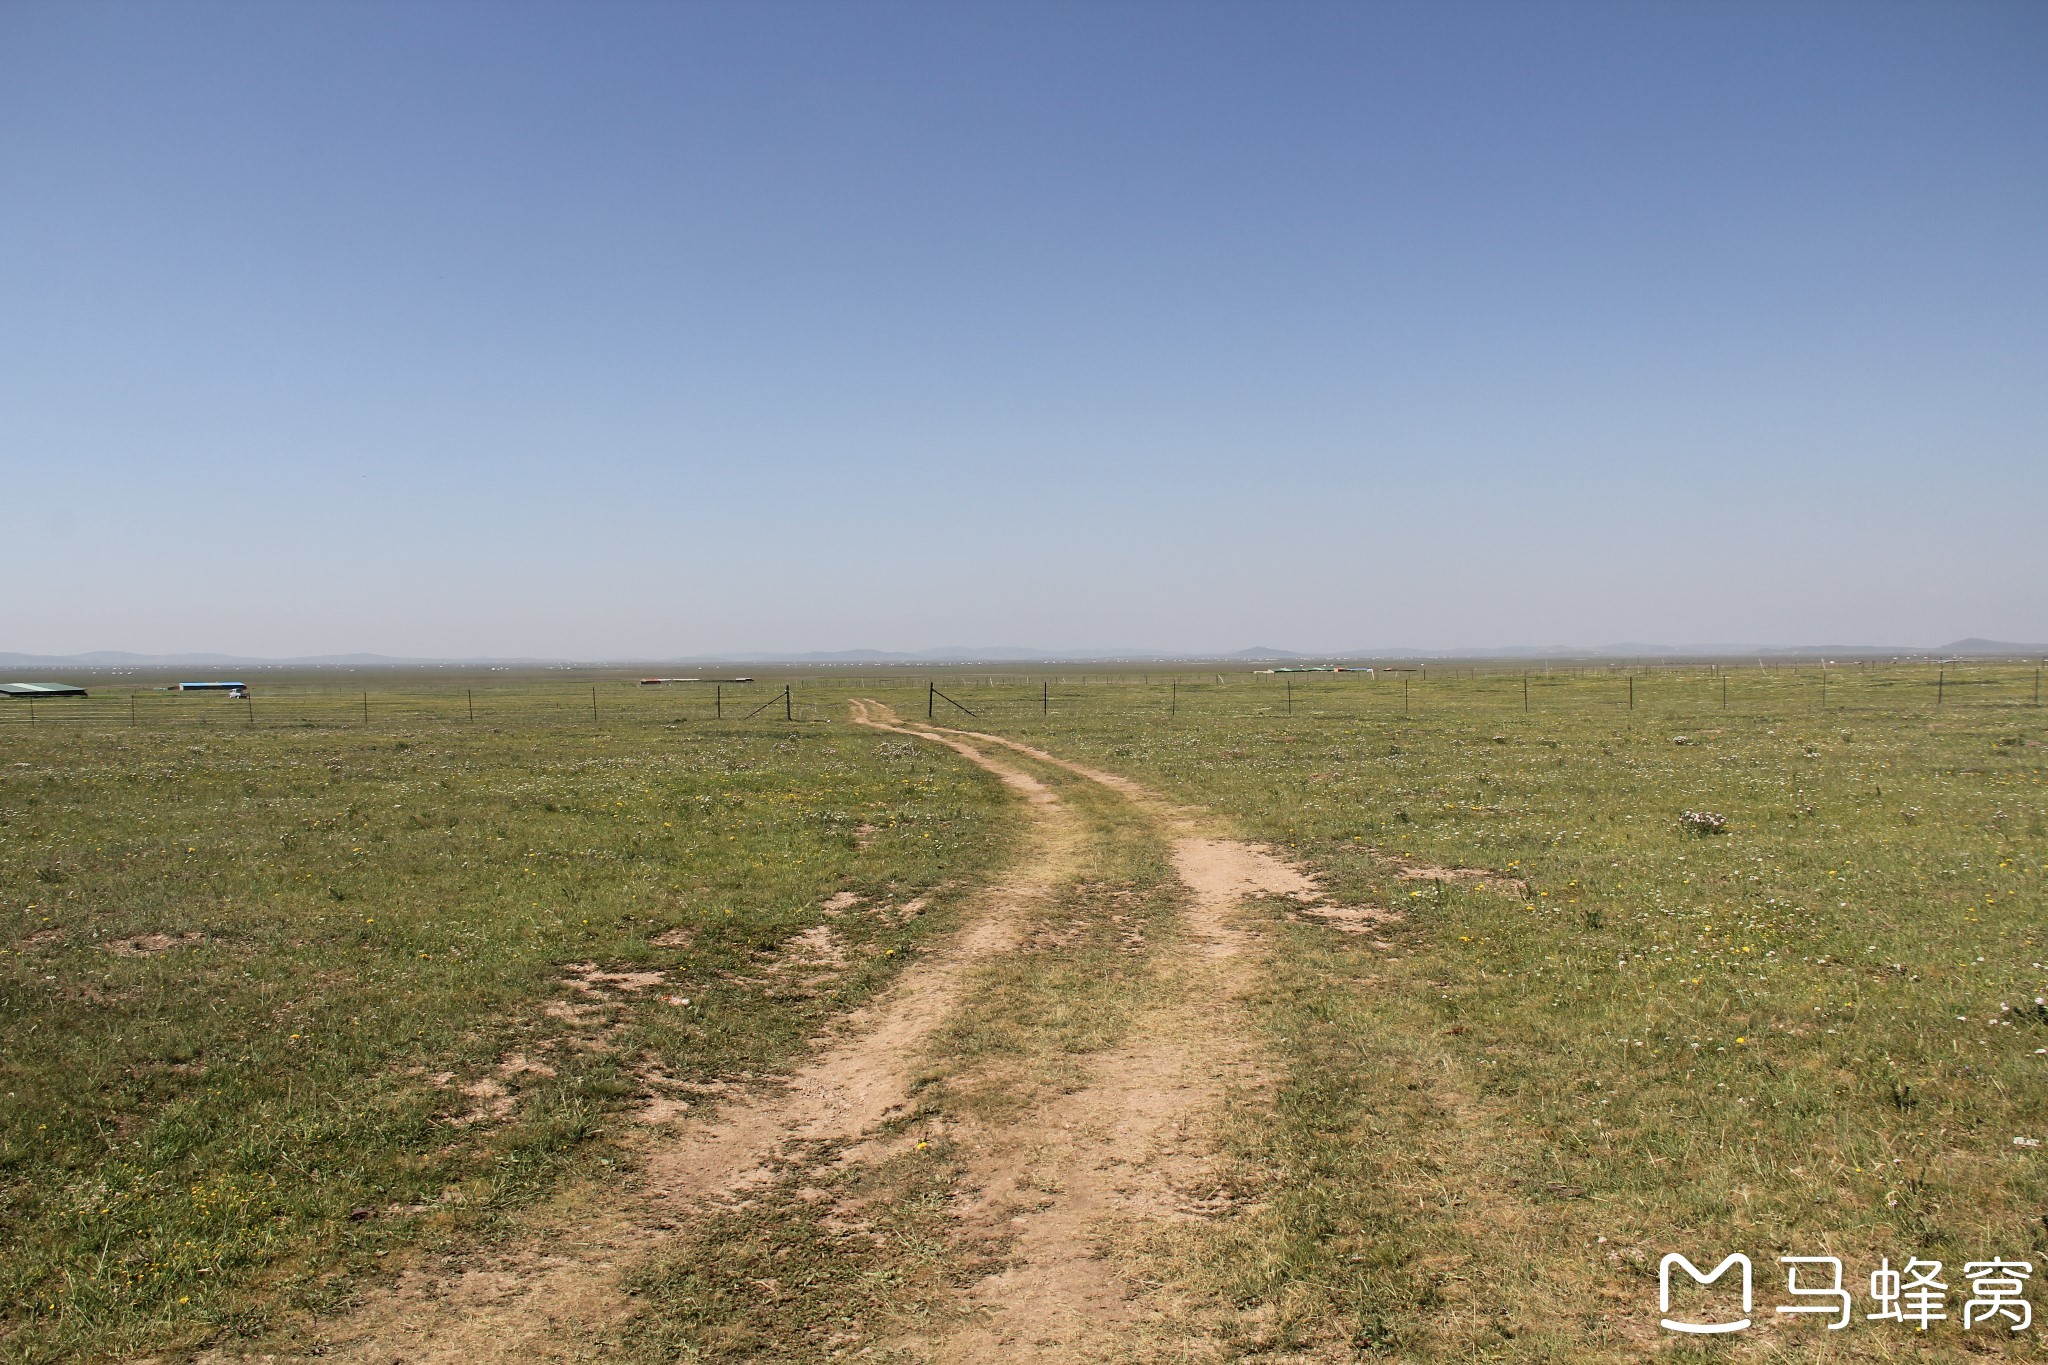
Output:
x=18 y=691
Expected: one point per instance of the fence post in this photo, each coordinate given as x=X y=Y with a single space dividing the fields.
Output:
x=366 y=708
x=1290 y=696
x=1045 y=694
x=931 y=697
x=785 y=702
x=131 y=704
x=934 y=692
x=1525 y=694
x=1724 y=691
x=718 y=701
x=1404 y=694
x=249 y=705
x=470 y=694
x=593 y=703
x=1631 y=691
x=1172 y=698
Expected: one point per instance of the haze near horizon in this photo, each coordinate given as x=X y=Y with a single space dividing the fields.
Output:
x=658 y=331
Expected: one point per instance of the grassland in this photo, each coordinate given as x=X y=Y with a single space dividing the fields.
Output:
x=282 y=1002
x=1817 y=1033
x=1591 y=1037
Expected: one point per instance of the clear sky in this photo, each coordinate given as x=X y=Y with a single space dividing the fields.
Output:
x=616 y=330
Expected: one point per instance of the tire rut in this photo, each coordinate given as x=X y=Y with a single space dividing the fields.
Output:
x=1127 y=1157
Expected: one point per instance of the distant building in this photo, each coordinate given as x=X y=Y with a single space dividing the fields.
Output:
x=213 y=687
x=31 y=691
x=1317 y=668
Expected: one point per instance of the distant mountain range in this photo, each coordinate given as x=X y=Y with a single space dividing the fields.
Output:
x=1972 y=648
x=116 y=659
x=970 y=654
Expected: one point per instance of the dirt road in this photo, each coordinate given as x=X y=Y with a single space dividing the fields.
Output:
x=1080 y=1164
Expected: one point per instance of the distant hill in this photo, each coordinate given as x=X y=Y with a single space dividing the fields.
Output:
x=968 y=654
x=956 y=654
x=1998 y=647
x=114 y=658
x=1963 y=648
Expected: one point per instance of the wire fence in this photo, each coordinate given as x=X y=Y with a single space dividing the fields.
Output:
x=1620 y=692
x=406 y=707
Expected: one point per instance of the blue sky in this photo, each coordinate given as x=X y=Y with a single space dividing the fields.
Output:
x=624 y=330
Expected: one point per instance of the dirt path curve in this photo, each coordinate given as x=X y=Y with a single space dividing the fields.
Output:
x=547 y=1299
x=1088 y=1179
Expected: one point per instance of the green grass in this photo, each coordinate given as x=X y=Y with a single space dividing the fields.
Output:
x=353 y=1030
x=1672 y=1042
x=813 y=1262
x=1816 y=1033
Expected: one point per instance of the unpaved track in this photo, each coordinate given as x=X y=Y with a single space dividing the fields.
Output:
x=1088 y=1168
x=1131 y=1148
x=1128 y=1152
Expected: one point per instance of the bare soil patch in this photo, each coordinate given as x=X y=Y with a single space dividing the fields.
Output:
x=597 y=982
x=149 y=945
x=808 y=961
x=1352 y=919
x=1429 y=872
